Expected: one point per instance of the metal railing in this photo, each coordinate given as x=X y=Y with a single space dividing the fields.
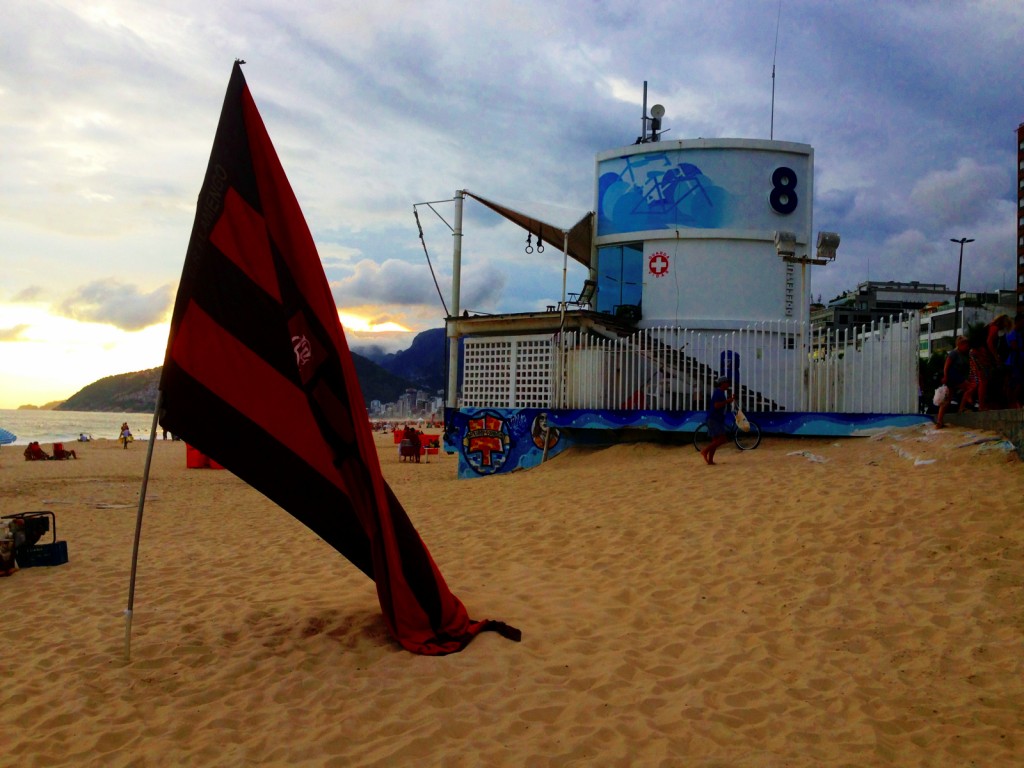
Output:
x=774 y=366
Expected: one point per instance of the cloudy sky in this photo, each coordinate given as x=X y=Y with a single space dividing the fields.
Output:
x=109 y=111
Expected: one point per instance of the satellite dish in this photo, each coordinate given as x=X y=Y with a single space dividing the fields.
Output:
x=657 y=111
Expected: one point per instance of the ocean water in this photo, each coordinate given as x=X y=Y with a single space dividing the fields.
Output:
x=66 y=426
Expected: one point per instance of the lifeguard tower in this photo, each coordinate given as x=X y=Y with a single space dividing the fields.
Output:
x=698 y=254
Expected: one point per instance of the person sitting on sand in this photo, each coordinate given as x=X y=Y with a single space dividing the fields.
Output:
x=956 y=378
x=716 y=418
x=35 y=453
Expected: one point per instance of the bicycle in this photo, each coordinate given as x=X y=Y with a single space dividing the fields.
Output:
x=745 y=441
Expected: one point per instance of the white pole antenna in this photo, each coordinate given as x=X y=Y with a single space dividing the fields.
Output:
x=643 y=119
x=775 y=53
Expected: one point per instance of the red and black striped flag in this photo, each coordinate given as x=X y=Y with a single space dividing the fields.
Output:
x=258 y=376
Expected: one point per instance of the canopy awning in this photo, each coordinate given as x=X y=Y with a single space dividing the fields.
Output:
x=581 y=234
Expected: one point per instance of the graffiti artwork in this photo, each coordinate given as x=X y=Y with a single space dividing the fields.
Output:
x=485 y=444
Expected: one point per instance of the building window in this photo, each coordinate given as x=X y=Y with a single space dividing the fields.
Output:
x=619 y=276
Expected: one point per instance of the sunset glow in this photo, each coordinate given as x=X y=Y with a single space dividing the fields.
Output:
x=359 y=324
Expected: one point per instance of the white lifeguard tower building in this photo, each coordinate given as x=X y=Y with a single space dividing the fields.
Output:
x=698 y=254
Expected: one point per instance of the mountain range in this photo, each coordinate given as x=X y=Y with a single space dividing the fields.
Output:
x=423 y=363
x=382 y=376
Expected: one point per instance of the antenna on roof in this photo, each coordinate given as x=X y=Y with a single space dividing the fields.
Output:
x=778 y=21
x=654 y=121
x=643 y=119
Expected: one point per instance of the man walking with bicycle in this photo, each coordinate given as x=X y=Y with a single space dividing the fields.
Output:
x=720 y=400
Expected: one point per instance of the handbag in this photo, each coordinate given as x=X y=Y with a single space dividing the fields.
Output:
x=741 y=421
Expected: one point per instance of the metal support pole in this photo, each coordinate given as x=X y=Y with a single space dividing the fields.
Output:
x=562 y=378
x=804 y=383
x=957 y=320
x=453 y=335
x=138 y=529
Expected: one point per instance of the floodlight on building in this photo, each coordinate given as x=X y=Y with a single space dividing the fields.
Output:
x=785 y=245
x=828 y=244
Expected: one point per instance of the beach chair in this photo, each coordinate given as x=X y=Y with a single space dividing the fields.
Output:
x=34 y=453
x=584 y=298
x=406 y=451
x=60 y=453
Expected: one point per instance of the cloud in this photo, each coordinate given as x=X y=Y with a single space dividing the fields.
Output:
x=389 y=282
x=15 y=333
x=113 y=303
x=950 y=199
x=395 y=282
x=28 y=294
x=910 y=112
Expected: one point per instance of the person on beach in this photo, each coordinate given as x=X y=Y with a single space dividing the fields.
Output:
x=1015 y=363
x=982 y=376
x=126 y=435
x=998 y=349
x=956 y=378
x=720 y=400
x=417 y=443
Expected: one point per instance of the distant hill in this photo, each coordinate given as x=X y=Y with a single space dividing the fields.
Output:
x=136 y=392
x=422 y=363
x=125 y=392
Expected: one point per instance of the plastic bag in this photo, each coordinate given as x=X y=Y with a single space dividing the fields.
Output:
x=940 y=395
x=741 y=421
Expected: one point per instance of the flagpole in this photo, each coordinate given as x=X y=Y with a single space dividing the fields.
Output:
x=138 y=529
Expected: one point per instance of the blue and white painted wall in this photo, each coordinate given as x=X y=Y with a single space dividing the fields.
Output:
x=492 y=441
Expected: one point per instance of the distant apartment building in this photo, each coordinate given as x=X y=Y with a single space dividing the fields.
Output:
x=1020 y=217
x=871 y=301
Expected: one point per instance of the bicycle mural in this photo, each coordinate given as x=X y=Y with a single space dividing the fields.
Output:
x=657 y=191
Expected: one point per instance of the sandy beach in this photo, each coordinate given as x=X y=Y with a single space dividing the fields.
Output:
x=810 y=603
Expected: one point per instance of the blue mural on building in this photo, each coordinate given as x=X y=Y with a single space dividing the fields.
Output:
x=657 y=191
x=492 y=441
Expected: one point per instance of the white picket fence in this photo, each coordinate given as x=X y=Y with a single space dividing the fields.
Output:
x=774 y=367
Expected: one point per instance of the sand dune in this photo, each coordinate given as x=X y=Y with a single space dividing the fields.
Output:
x=808 y=603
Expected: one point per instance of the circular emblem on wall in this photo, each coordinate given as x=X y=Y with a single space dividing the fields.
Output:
x=486 y=443
x=657 y=265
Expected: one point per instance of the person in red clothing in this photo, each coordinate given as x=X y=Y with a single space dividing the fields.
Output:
x=998 y=350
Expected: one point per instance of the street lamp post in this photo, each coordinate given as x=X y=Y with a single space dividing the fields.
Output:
x=957 y=325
